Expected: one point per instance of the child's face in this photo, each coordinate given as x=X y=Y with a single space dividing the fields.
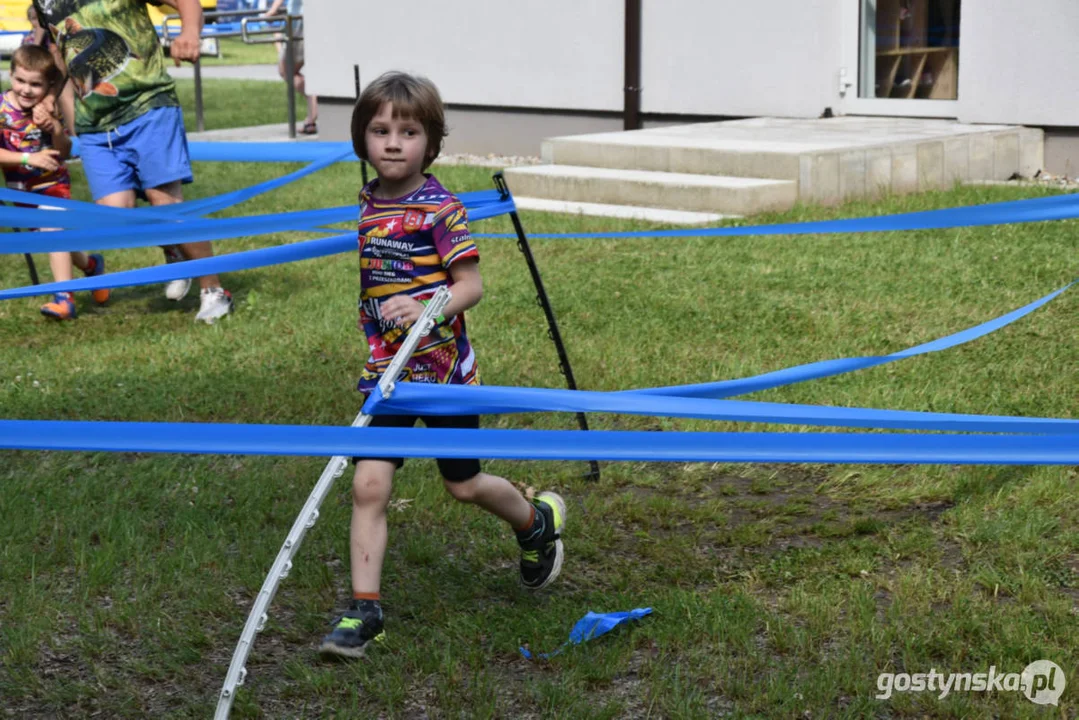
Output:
x=28 y=86
x=396 y=146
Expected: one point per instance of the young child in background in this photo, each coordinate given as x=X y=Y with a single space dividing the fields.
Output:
x=413 y=240
x=33 y=147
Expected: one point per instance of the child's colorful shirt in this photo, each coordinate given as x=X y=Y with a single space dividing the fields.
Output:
x=407 y=245
x=18 y=133
x=113 y=57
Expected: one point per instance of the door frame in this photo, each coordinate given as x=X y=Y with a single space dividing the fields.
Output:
x=850 y=76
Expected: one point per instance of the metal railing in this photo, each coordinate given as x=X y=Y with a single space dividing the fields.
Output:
x=280 y=28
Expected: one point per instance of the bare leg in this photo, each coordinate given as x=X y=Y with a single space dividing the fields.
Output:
x=60 y=264
x=496 y=495
x=371 y=487
x=169 y=195
x=300 y=83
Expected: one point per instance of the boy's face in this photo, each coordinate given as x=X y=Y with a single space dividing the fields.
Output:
x=395 y=146
x=28 y=86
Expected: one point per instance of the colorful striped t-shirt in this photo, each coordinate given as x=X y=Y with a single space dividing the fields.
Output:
x=407 y=245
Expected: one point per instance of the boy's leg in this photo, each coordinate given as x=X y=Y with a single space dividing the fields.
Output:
x=371 y=486
x=362 y=623
x=60 y=264
x=538 y=524
x=214 y=301
x=62 y=305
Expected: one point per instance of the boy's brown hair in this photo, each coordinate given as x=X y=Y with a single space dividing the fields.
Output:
x=412 y=97
x=37 y=59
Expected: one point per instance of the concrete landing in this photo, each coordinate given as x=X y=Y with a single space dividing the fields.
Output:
x=821 y=161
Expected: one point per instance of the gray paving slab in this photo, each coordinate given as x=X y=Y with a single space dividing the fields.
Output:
x=227 y=72
x=277 y=132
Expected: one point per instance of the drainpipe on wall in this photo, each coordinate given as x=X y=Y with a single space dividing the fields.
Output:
x=631 y=111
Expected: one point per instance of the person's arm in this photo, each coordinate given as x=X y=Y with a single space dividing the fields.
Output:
x=47 y=159
x=466 y=292
x=187 y=45
x=274 y=7
x=67 y=107
x=51 y=124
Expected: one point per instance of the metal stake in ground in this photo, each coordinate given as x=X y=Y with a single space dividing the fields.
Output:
x=29 y=261
x=256 y=619
x=541 y=299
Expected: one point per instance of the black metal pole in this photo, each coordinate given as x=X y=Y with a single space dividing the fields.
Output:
x=29 y=261
x=631 y=113
x=542 y=300
x=363 y=163
x=30 y=266
x=290 y=78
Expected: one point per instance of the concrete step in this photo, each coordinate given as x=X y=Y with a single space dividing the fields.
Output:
x=675 y=191
x=831 y=160
x=625 y=212
x=672 y=153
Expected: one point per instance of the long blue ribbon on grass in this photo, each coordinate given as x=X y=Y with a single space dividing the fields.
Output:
x=190 y=229
x=193 y=230
x=591 y=626
x=617 y=446
x=436 y=399
x=828 y=368
x=203 y=206
x=264 y=257
x=1059 y=207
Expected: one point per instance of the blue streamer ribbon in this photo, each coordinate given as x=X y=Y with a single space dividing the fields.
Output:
x=481 y=205
x=172 y=232
x=591 y=626
x=1059 y=207
x=306 y=151
x=434 y=399
x=616 y=446
x=829 y=368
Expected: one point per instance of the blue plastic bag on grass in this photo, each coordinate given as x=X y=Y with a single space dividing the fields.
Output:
x=591 y=626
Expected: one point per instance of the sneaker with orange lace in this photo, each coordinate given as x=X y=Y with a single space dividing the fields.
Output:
x=95 y=268
x=62 y=307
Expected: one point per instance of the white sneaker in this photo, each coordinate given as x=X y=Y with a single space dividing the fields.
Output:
x=214 y=303
x=176 y=289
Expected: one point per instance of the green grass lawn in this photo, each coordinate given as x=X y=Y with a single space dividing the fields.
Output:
x=237 y=103
x=235 y=51
x=778 y=590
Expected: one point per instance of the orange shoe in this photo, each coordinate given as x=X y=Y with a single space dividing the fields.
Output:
x=98 y=268
x=62 y=307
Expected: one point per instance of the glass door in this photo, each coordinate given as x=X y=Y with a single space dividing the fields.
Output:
x=907 y=57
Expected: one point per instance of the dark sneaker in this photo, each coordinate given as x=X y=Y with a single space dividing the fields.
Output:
x=352 y=634
x=101 y=296
x=541 y=556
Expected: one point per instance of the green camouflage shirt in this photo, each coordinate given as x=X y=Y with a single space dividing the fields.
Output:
x=114 y=59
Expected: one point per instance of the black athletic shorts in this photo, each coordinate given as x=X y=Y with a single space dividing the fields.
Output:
x=454 y=470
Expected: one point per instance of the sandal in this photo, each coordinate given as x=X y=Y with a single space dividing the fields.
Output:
x=309 y=128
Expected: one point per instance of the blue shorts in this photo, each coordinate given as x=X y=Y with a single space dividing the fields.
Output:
x=148 y=152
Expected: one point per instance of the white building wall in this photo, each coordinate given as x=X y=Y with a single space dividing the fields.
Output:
x=564 y=54
x=1019 y=62
x=733 y=57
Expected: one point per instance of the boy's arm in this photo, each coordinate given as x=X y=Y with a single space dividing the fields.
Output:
x=47 y=121
x=186 y=45
x=467 y=287
x=47 y=159
x=466 y=291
